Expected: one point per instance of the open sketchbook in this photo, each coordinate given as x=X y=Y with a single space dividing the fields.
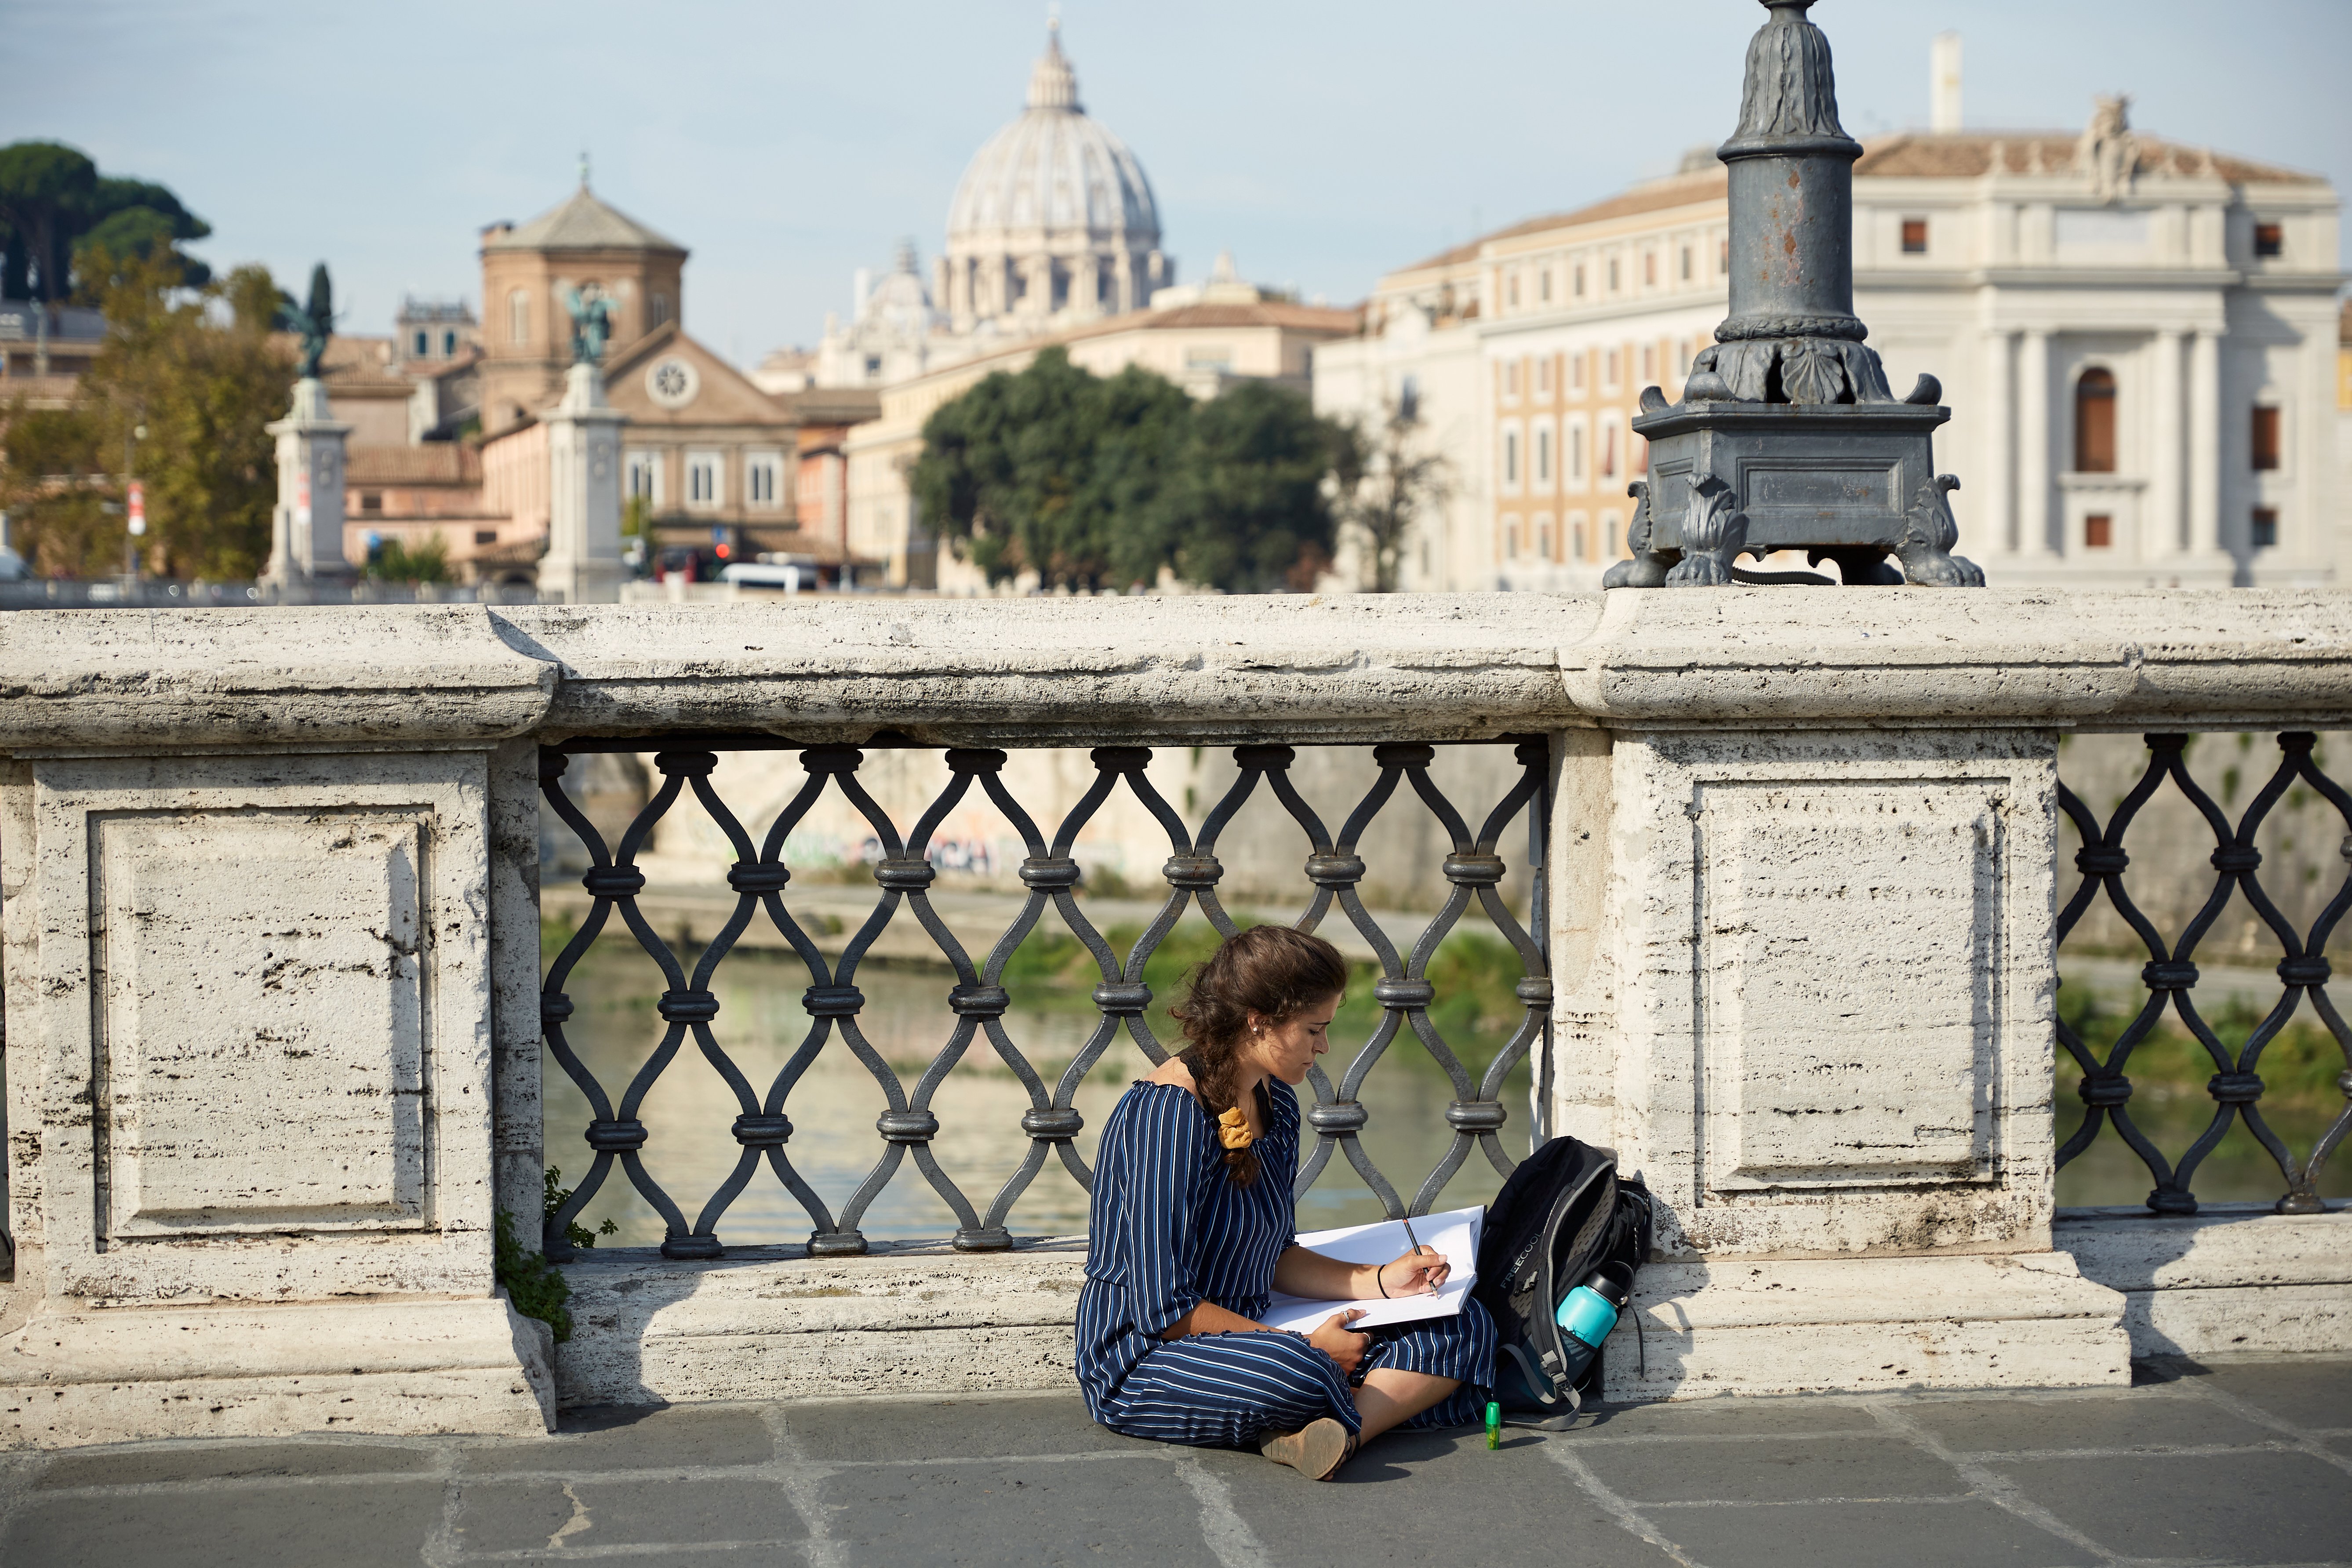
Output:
x=1455 y=1234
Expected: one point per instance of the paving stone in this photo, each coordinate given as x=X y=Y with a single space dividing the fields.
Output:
x=2147 y=1419
x=2229 y=1508
x=616 y=1438
x=1860 y=1467
x=349 y=1525
x=1044 y=1511
x=1727 y=1418
x=1969 y=1534
x=1421 y=1496
x=2316 y=1393
x=514 y=1516
x=163 y=1463
x=949 y=1428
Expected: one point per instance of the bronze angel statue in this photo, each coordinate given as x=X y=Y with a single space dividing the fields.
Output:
x=315 y=321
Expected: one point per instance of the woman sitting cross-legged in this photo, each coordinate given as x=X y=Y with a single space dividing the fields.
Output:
x=1193 y=1227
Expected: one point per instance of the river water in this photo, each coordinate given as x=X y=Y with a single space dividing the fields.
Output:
x=834 y=1145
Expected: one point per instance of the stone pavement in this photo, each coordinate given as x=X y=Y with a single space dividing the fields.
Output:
x=2240 y=1464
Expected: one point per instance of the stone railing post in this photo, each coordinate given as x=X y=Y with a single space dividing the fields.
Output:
x=306 y=550
x=251 y=928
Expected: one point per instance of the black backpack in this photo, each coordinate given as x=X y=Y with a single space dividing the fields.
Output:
x=1562 y=1214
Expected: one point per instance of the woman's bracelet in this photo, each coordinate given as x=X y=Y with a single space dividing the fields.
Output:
x=1382 y=1283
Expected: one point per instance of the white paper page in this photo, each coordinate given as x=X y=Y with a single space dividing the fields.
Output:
x=1454 y=1233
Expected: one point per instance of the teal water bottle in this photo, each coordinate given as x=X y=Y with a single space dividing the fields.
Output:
x=1588 y=1312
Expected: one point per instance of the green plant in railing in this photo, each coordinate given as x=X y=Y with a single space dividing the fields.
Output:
x=574 y=1232
x=534 y=1287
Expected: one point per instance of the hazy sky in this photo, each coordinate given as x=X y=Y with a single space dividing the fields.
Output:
x=785 y=144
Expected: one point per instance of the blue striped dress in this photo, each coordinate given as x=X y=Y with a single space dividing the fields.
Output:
x=1169 y=1230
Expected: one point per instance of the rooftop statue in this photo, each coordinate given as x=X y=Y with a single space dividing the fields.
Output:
x=315 y=321
x=592 y=323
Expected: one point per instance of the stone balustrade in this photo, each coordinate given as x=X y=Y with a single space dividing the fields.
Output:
x=269 y=880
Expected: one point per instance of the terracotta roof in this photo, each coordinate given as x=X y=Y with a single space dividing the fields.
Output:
x=1651 y=196
x=1264 y=313
x=581 y=223
x=429 y=462
x=1965 y=154
x=1909 y=155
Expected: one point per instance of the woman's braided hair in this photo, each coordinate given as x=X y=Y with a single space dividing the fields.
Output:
x=1270 y=970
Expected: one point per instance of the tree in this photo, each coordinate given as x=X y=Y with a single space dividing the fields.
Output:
x=1245 y=509
x=1053 y=470
x=1091 y=482
x=65 y=229
x=1385 y=482
x=197 y=372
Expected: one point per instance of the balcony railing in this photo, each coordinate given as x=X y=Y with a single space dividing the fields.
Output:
x=976 y=1005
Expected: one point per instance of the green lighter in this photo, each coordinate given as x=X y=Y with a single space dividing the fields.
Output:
x=1494 y=1425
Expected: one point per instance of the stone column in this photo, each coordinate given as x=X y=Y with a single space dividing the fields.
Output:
x=1805 y=986
x=2037 y=527
x=305 y=548
x=2205 y=446
x=583 y=564
x=250 y=1032
x=1998 y=447
x=2167 y=522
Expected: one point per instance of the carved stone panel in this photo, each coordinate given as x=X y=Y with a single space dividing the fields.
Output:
x=259 y=970
x=1849 y=1022
x=263 y=1026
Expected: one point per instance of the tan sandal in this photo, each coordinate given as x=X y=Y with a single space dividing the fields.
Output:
x=1316 y=1450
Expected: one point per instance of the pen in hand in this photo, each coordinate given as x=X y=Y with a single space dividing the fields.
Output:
x=1427 y=1287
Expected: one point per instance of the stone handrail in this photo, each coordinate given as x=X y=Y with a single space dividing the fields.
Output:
x=1200 y=669
x=275 y=869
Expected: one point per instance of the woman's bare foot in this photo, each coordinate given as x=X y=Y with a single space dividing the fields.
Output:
x=1316 y=1450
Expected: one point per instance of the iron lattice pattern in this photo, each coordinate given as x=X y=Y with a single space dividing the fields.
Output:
x=2171 y=975
x=977 y=1002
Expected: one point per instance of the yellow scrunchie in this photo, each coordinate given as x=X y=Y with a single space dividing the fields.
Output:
x=1233 y=1130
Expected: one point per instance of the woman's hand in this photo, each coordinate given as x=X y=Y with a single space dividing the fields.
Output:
x=1335 y=1339
x=1420 y=1272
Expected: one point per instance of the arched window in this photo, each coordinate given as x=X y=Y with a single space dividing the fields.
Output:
x=658 y=308
x=2095 y=423
x=518 y=315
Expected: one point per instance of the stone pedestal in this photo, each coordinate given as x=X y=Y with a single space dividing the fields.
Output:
x=583 y=564
x=306 y=540
x=1806 y=993
x=251 y=1092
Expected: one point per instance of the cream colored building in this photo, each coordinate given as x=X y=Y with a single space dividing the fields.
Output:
x=2137 y=339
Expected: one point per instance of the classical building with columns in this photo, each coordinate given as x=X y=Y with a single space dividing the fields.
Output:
x=2136 y=338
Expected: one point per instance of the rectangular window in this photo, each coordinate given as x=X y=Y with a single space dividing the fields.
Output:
x=1915 y=236
x=703 y=487
x=1543 y=535
x=1576 y=536
x=1687 y=264
x=1580 y=280
x=448 y=345
x=763 y=479
x=1576 y=371
x=2266 y=528
x=1543 y=456
x=1609 y=377
x=1649 y=362
x=2270 y=239
x=485 y=536
x=1543 y=285
x=1609 y=450
x=1723 y=258
x=371 y=500
x=2098 y=531
x=1543 y=376
x=1511 y=539
x=423 y=339
x=1576 y=456
x=643 y=471
x=1511 y=288
x=1612 y=275
x=2266 y=438
x=1511 y=459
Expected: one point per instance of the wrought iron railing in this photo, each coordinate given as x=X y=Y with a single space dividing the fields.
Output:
x=2171 y=974
x=979 y=999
